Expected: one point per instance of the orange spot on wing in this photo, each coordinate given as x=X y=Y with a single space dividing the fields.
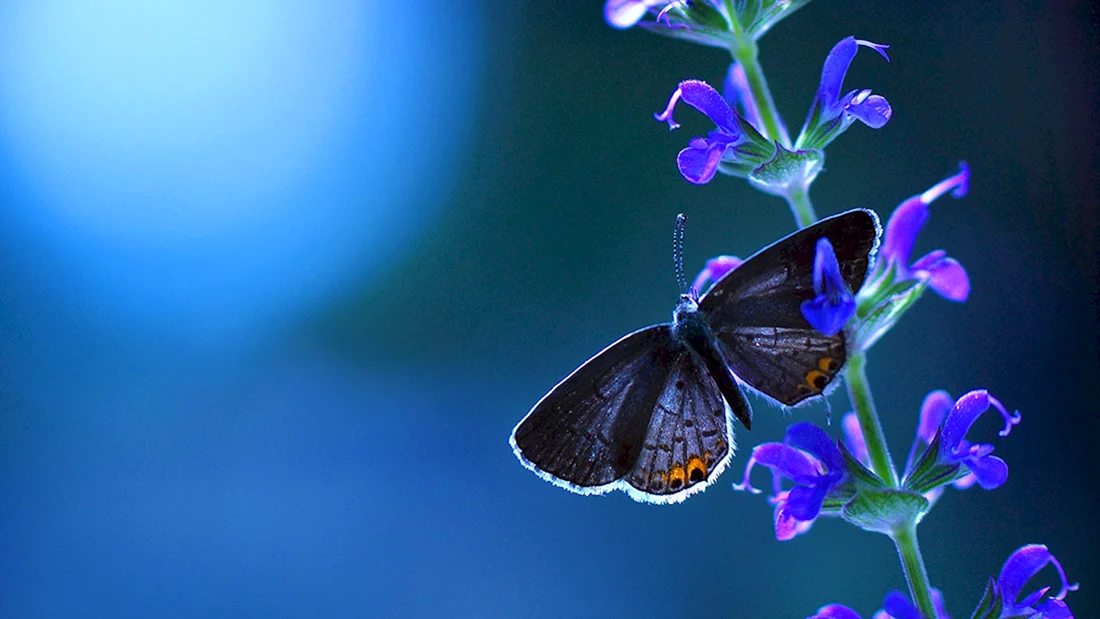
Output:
x=816 y=380
x=676 y=476
x=696 y=469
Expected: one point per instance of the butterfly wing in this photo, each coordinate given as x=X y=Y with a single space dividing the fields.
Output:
x=756 y=309
x=640 y=409
x=689 y=439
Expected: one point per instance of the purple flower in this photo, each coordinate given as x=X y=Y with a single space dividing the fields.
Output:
x=831 y=113
x=989 y=470
x=1018 y=569
x=715 y=270
x=810 y=459
x=944 y=275
x=626 y=13
x=895 y=606
x=946 y=454
x=835 y=611
x=833 y=304
x=734 y=143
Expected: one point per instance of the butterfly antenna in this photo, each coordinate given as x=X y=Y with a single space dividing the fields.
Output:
x=678 y=252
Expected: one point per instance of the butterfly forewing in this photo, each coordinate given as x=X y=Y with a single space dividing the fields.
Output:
x=756 y=309
x=588 y=431
x=642 y=415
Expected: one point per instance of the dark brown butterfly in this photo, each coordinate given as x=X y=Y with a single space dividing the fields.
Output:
x=651 y=413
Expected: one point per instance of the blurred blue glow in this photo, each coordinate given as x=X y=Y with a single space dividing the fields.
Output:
x=203 y=169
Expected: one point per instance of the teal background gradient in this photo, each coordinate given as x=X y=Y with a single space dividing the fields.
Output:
x=276 y=283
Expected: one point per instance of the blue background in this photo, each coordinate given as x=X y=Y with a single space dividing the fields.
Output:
x=276 y=283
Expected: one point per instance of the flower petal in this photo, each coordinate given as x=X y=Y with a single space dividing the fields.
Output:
x=828 y=317
x=901 y=232
x=812 y=439
x=932 y=412
x=1020 y=567
x=898 y=606
x=788 y=461
x=626 y=13
x=990 y=471
x=832 y=74
x=834 y=305
x=786 y=525
x=958 y=184
x=835 y=611
x=715 y=269
x=873 y=110
x=701 y=96
x=853 y=436
x=698 y=163
x=736 y=91
x=949 y=278
x=962 y=415
x=804 y=502
x=1053 y=609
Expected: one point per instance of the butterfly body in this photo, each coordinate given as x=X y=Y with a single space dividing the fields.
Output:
x=652 y=413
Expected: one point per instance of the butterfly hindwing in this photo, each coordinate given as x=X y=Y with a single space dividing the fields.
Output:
x=788 y=364
x=756 y=309
x=689 y=439
x=588 y=431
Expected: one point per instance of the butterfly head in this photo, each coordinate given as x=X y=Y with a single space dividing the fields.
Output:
x=686 y=309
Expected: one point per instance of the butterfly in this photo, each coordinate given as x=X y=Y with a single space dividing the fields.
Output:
x=651 y=414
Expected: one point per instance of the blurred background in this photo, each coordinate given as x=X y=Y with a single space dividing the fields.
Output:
x=276 y=283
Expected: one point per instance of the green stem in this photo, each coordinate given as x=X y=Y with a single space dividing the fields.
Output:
x=744 y=51
x=803 y=210
x=859 y=392
x=913 y=564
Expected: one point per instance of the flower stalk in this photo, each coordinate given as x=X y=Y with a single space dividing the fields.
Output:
x=801 y=207
x=859 y=392
x=920 y=589
x=745 y=52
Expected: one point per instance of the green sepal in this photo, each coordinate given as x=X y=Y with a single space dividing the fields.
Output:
x=787 y=169
x=927 y=473
x=885 y=511
x=860 y=474
x=882 y=305
x=697 y=22
x=747 y=154
x=839 y=496
x=756 y=17
x=991 y=605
